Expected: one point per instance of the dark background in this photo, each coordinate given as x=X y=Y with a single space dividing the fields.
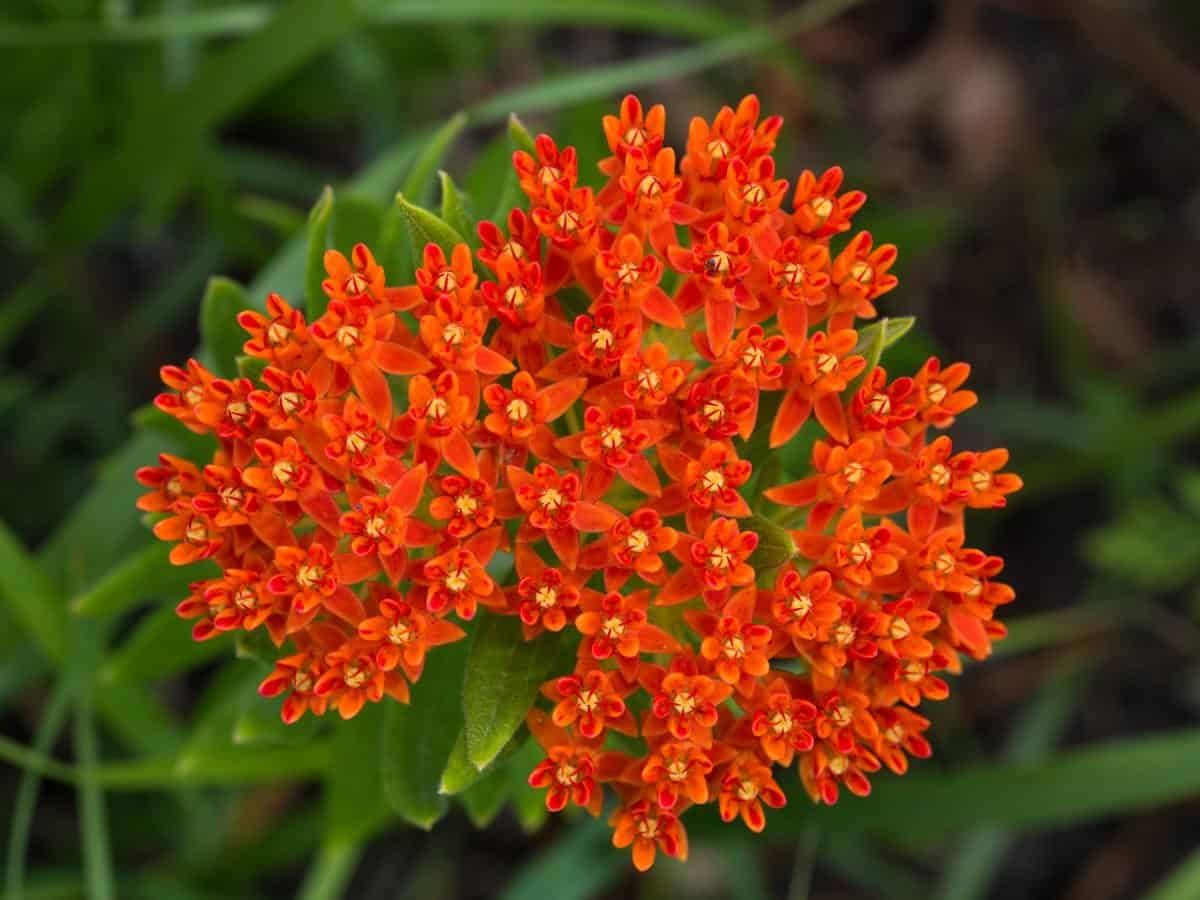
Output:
x=1038 y=165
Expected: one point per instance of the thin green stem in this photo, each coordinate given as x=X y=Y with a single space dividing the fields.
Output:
x=93 y=822
x=331 y=871
x=53 y=720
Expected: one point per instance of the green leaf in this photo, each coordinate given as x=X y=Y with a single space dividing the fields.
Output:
x=331 y=871
x=484 y=799
x=251 y=367
x=879 y=335
x=454 y=207
x=355 y=802
x=356 y=219
x=528 y=804
x=519 y=136
x=579 y=865
x=1182 y=884
x=259 y=724
x=460 y=773
x=159 y=647
x=142 y=576
x=605 y=80
x=220 y=333
x=427 y=228
x=504 y=672
x=419 y=737
x=196 y=447
x=1075 y=786
x=418 y=185
x=32 y=598
x=314 y=265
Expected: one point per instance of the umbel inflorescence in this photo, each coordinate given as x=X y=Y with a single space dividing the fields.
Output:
x=588 y=392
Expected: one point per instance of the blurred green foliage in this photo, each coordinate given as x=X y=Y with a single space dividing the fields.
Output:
x=143 y=154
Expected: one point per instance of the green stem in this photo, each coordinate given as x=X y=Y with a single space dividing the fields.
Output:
x=53 y=720
x=97 y=854
x=331 y=871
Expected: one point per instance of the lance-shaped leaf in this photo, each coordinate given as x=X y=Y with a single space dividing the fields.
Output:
x=504 y=673
x=426 y=227
x=139 y=577
x=355 y=802
x=878 y=336
x=220 y=334
x=159 y=647
x=419 y=736
x=454 y=207
x=314 y=263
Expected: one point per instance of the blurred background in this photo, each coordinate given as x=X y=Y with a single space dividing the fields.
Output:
x=1038 y=165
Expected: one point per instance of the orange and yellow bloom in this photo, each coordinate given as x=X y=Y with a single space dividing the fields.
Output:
x=592 y=392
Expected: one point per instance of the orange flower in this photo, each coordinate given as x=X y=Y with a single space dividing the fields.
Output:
x=569 y=404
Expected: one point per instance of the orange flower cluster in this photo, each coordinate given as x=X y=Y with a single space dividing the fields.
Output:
x=585 y=407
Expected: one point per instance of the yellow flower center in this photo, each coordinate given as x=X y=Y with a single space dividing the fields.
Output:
x=283 y=472
x=517 y=410
x=862 y=272
x=647 y=828
x=613 y=627
x=718 y=263
x=792 y=275
x=880 y=405
x=231 y=497
x=713 y=481
x=899 y=629
x=753 y=357
x=719 y=557
x=611 y=437
x=839 y=765
x=355 y=676
x=747 y=790
x=635 y=137
x=821 y=207
x=944 y=564
x=734 y=647
x=844 y=634
x=457 y=580
x=628 y=274
x=587 y=701
x=827 y=363
x=648 y=380
x=245 y=599
x=781 y=722
x=446 y=281
x=466 y=505
x=842 y=715
x=302 y=682
x=650 y=186
x=860 y=553
x=603 y=339
x=717 y=148
x=400 y=633
x=290 y=402
x=516 y=296
x=684 y=703
x=277 y=333
x=546 y=596
x=800 y=605
x=309 y=576
x=936 y=392
x=567 y=774
x=549 y=174
x=638 y=541
x=981 y=481
x=356 y=284
x=347 y=337
x=356 y=443
x=453 y=334
x=238 y=411
x=677 y=770
x=713 y=410
x=438 y=408
x=551 y=500
x=940 y=475
x=895 y=734
x=375 y=527
x=568 y=221
x=854 y=472
x=753 y=194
